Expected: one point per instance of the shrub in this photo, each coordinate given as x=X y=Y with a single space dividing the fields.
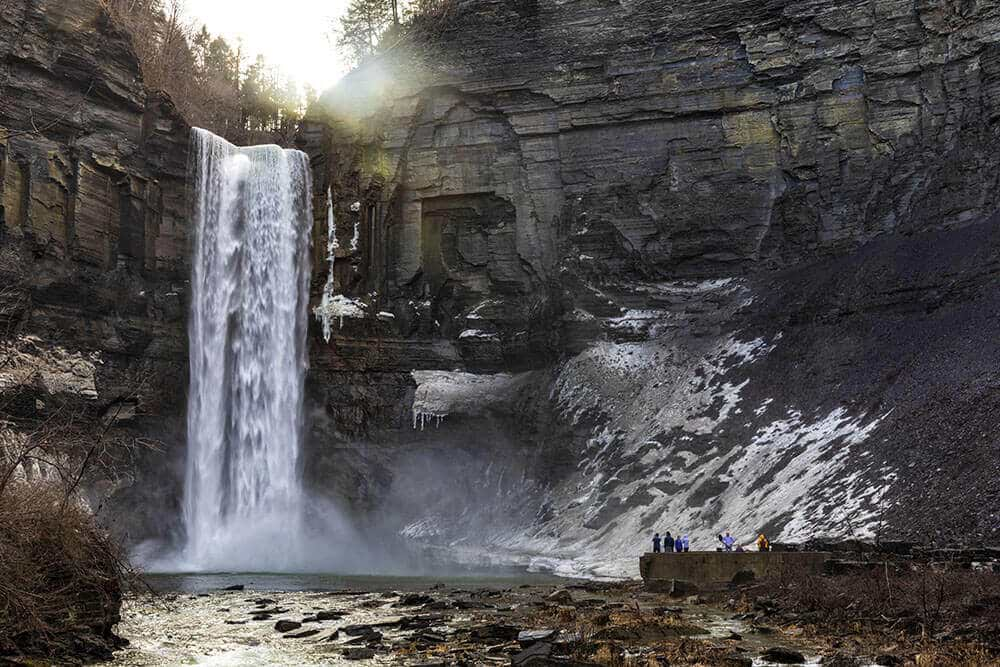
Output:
x=60 y=576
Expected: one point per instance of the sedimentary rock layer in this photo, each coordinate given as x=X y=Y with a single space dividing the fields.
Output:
x=738 y=256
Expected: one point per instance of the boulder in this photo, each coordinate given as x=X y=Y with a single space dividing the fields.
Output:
x=494 y=632
x=303 y=634
x=529 y=637
x=413 y=600
x=783 y=656
x=561 y=596
x=287 y=626
x=535 y=654
x=359 y=654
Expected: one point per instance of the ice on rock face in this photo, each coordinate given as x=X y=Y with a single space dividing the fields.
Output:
x=323 y=311
x=336 y=306
x=442 y=393
x=339 y=306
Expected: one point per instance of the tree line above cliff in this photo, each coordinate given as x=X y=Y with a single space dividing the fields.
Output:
x=218 y=86
x=370 y=25
x=214 y=83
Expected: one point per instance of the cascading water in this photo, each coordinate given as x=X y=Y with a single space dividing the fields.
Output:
x=244 y=501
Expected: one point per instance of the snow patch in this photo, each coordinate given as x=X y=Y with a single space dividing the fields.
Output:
x=339 y=307
x=443 y=393
x=477 y=334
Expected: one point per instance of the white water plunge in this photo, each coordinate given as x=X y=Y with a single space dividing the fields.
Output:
x=244 y=500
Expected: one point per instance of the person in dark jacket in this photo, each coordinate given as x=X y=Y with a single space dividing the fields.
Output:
x=668 y=543
x=656 y=543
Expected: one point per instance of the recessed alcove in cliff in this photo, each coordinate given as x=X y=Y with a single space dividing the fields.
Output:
x=469 y=240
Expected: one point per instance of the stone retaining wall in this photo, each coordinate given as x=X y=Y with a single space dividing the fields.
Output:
x=716 y=568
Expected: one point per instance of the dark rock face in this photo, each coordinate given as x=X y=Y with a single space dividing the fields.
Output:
x=93 y=236
x=658 y=265
x=628 y=267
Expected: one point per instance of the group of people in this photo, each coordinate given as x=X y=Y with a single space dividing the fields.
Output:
x=668 y=543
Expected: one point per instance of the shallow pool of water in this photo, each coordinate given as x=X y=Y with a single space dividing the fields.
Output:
x=264 y=581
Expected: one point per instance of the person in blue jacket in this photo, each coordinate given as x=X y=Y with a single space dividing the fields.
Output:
x=678 y=544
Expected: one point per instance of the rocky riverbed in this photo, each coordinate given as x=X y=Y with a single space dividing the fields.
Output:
x=571 y=624
x=898 y=613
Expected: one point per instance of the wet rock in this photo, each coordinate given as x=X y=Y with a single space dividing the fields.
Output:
x=368 y=638
x=303 y=634
x=261 y=617
x=494 y=632
x=529 y=637
x=561 y=596
x=359 y=654
x=356 y=630
x=287 y=626
x=735 y=660
x=437 y=605
x=236 y=622
x=235 y=587
x=590 y=602
x=887 y=660
x=765 y=605
x=419 y=622
x=330 y=615
x=532 y=655
x=783 y=656
x=743 y=577
x=270 y=612
x=391 y=621
x=413 y=600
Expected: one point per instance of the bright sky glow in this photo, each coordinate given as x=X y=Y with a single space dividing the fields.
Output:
x=291 y=34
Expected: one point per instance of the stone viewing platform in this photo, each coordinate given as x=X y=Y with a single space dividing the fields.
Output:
x=712 y=569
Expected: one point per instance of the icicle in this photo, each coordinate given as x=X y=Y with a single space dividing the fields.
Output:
x=422 y=419
x=323 y=312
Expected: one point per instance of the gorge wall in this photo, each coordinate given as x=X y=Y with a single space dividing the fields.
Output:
x=646 y=265
x=93 y=258
x=620 y=266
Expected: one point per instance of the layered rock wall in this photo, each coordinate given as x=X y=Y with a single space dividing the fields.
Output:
x=93 y=231
x=721 y=245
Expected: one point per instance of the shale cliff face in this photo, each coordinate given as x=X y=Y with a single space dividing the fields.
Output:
x=661 y=265
x=92 y=246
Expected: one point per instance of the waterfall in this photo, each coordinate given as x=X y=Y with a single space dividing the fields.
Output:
x=252 y=218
